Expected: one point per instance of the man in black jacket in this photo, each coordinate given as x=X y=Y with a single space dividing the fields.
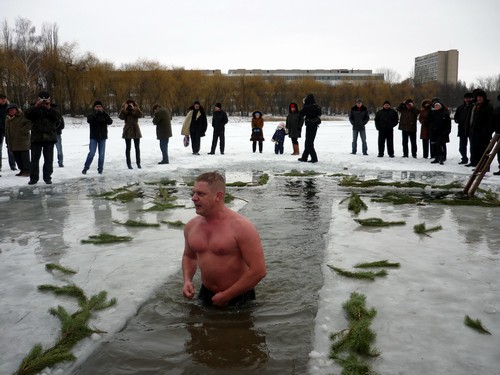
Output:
x=45 y=120
x=98 y=121
x=462 y=118
x=385 y=121
x=219 y=121
x=358 y=117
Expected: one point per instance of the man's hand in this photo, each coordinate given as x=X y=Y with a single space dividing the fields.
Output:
x=188 y=290
x=219 y=299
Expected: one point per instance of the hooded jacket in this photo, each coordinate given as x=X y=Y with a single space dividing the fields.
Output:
x=162 y=120
x=423 y=118
x=131 y=129
x=310 y=110
x=294 y=122
x=257 y=123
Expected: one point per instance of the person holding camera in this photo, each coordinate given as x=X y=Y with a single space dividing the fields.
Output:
x=45 y=119
x=131 y=114
x=98 y=121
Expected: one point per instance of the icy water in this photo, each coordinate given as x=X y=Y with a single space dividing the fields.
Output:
x=170 y=335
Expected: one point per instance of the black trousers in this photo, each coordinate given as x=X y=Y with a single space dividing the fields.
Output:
x=37 y=149
x=311 y=131
x=218 y=134
x=412 y=136
x=386 y=136
x=205 y=295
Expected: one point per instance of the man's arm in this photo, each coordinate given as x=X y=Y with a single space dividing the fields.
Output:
x=189 y=265
x=252 y=253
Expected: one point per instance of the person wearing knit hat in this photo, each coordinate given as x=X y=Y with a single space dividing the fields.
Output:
x=219 y=121
x=130 y=113
x=3 y=114
x=162 y=119
x=462 y=118
x=17 y=134
x=279 y=138
x=481 y=127
x=98 y=122
x=385 y=121
x=294 y=123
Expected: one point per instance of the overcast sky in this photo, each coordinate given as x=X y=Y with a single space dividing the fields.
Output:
x=273 y=34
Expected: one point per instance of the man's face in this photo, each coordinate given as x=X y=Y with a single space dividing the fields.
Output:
x=12 y=111
x=98 y=107
x=196 y=106
x=203 y=197
x=3 y=100
x=387 y=106
x=480 y=99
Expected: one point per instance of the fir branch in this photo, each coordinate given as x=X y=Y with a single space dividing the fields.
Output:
x=66 y=290
x=379 y=263
x=421 y=229
x=396 y=198
x=476 y=325
x=105 y=238
x=177 y=223
x=135 y=223
x=263 y=179
x=162 y=206
x=356 y=204
x=37 y=360
x=359 y=275
x=377 y=222
x=237 y=184
x=58 y=267
x=98 y=301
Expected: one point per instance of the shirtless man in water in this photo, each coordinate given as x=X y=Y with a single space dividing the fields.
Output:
x=224 y=244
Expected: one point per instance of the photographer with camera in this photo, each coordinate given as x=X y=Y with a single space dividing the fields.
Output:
x=131 y=114
x=45 y=119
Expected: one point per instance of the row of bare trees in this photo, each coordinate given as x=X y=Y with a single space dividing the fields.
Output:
x=31 y=62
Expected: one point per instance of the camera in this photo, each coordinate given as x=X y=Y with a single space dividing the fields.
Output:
x=130 y=107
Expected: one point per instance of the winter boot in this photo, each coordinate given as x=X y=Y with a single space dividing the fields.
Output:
x=296 y=149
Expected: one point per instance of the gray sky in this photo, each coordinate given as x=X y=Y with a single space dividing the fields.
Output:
x=272 y=34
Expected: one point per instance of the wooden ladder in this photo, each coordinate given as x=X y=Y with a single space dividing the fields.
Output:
x=483 y=166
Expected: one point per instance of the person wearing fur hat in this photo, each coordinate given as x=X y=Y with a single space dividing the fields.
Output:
x=481 y=127
x=257 y=135
x=462 y=118
x=98 y=122
x=131 y=113
x=408 y=126
x=439 y=123
x=17 y=133
x=279 y=138
x=294 y=123
x=219 y=121
x=385 y=121
x=45 y=120
x=425 y=109
x=359 y=117
x=195 y=126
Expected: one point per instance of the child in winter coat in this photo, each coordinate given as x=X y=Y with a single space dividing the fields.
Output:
x=279 y=138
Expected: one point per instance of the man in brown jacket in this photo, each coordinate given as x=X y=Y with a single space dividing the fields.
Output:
x=408 y=126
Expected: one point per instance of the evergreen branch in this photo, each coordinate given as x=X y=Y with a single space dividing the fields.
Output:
x=379 y=263
x=98 y=301
x=421 y=229
x=356 y=204
x=377 y=222
x=37 y=360
x=135 y=223
x=177 y=223
x=105 y=238
x=67 y=290
x=360 y=274
x=476 y=324
x=58 y=267
x=162 y=206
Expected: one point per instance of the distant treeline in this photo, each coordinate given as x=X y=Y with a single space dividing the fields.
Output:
x=31 y=62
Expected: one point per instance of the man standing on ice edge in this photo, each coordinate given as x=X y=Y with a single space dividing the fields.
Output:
x=224 y=245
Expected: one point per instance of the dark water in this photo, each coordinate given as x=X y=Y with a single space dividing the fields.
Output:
x=171 y=335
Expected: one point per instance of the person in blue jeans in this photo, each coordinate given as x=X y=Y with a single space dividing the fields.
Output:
x=98 y=121
x=358 y=117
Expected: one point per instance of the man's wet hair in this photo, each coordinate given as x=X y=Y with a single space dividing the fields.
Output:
x=213 y=178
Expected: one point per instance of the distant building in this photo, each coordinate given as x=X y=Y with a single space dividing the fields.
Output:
x=329 y=76
x=440 y=66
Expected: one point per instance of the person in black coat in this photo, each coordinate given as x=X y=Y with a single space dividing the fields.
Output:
x=439 y=123
x=219 y=121
x=496 y=123
x=358 y=117
x=385 y=121
x=462 y=118
x=481 y=127
x=311 y=112
x=98 y=121
x=45 y=119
